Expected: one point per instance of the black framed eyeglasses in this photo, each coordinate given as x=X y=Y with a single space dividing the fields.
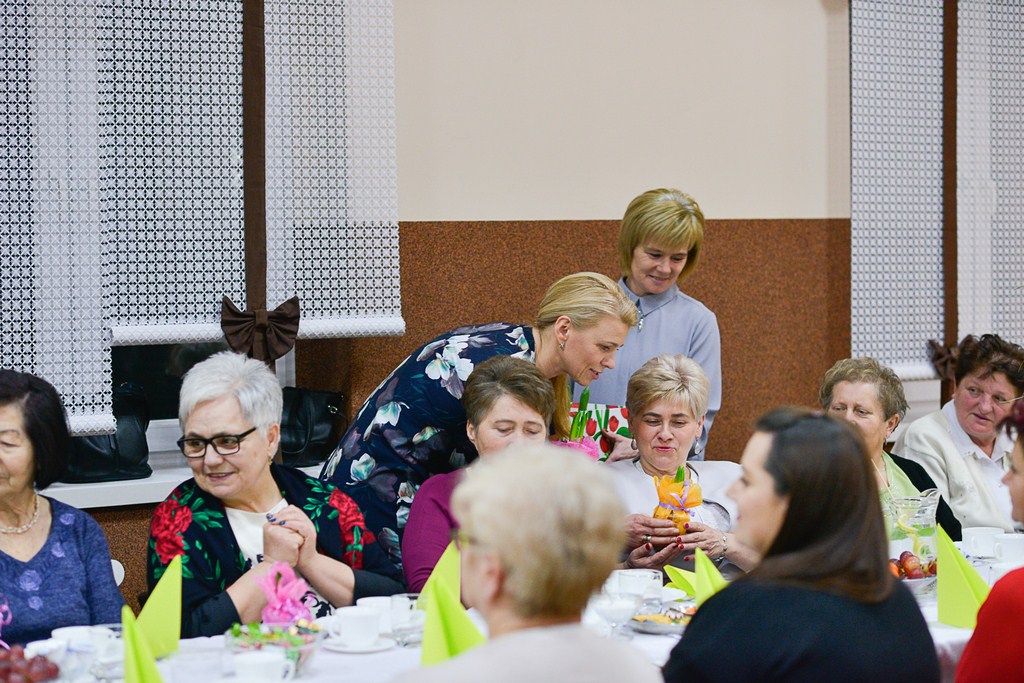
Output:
x=224 y=444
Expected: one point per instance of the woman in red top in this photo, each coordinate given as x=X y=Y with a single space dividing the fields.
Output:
x=996 y=650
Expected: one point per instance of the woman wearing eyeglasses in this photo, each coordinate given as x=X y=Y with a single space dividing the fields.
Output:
x=960 y=446
x=240 y=513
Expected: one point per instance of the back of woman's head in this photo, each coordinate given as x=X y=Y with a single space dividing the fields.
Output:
x=43 y=419
x=664 y=218
x=552 y=517
x=987 y=354
x=585 y=298
x=507 y=376
x=228 y=373
x=833 y=536
x=672 y=378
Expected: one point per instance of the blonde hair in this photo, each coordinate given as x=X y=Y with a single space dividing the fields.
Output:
x=667 y=218
x=552 y=517
x=584 y=298
x=667 y=377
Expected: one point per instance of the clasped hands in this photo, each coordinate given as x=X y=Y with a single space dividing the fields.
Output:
x=289 y=536
x=656 y=542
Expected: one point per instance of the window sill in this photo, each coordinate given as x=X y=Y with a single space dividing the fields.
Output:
x=169 y=470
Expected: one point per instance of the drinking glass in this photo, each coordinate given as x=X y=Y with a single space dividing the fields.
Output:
x=616 y=609
x=407 y=618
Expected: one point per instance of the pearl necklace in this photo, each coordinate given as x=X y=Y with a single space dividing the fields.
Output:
x=27 y=525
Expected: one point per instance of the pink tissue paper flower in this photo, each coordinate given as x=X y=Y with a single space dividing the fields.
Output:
x=284 y=591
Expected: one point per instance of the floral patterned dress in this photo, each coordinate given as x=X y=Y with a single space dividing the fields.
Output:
x=414 y=426
x=192 y=523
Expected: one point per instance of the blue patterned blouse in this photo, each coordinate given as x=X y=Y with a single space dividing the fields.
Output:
x=414 y=426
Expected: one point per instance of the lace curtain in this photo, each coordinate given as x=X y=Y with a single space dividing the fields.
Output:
x=123 y=161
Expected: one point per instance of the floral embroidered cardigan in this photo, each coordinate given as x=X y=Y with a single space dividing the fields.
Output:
x=414 y=426
x=192 y=523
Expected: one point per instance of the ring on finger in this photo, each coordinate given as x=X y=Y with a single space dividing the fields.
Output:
x=647 y=538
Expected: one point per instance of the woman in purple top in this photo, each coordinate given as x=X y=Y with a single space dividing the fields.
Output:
x=507 y=400
x=54 y=562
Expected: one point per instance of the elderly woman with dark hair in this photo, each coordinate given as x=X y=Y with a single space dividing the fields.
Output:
x=960 y=446
x=241 y=513
x=54 y=561
x=822 y=604
x=870 y=397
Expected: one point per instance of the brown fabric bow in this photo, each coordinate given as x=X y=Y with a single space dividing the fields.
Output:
x=261 y=334
x=944 y=359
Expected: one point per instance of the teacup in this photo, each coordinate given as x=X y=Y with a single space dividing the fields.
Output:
x=1008 y=547
x=268 y=664
x=978 y=540
x=356 y=626
x=380 y=604
x=998 y=570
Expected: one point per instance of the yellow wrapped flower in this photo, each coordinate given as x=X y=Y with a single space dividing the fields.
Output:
x=676 y=495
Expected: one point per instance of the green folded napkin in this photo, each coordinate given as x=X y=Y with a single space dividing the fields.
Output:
x=139 y=663
x=961 y=589
x=447 y=570
x=160 y=619
x=448 y=630
x=681 y=579
x=709 y=579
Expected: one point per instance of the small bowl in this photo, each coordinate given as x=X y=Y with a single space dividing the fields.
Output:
x=920 y=587
x=300 y=642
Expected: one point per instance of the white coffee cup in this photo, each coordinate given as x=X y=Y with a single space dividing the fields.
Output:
x=380 y=604
x=978 y=540
x=1008 y=548
x=268 y=664
x=1000 y=569
x=356 y=626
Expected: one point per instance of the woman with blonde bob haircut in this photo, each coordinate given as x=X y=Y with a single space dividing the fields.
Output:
x=667 y=400
x=414 y=425
x=660 y=242
x=540 y=531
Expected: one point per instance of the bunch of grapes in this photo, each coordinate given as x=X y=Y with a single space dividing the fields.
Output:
x=14 y=668
x=909 y=566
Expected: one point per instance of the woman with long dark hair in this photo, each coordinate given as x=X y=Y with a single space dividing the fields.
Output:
x=822 y=604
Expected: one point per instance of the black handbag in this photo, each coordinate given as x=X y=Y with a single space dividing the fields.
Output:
x=311 y=424
x=121 y=455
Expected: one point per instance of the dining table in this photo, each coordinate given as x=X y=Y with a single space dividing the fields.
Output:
x=331 y=666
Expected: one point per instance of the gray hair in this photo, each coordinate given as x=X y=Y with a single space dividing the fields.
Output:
x=228 y=373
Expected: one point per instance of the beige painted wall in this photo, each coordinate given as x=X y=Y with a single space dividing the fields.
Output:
x=566 y=109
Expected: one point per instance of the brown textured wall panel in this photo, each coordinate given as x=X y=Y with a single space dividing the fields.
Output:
x=127 y=530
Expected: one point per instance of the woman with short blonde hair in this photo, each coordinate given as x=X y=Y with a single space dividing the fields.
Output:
x=660 y=241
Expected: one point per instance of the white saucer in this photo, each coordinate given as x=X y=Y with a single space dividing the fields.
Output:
x=335 y=645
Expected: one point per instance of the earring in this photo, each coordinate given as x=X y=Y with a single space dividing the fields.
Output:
x=696 y=447
x=632 y=444
x=562 y=346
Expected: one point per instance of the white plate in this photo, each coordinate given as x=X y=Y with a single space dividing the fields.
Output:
x=672 y=594
x=335 y=645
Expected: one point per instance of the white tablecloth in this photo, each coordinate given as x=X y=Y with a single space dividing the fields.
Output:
x=380 y=667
